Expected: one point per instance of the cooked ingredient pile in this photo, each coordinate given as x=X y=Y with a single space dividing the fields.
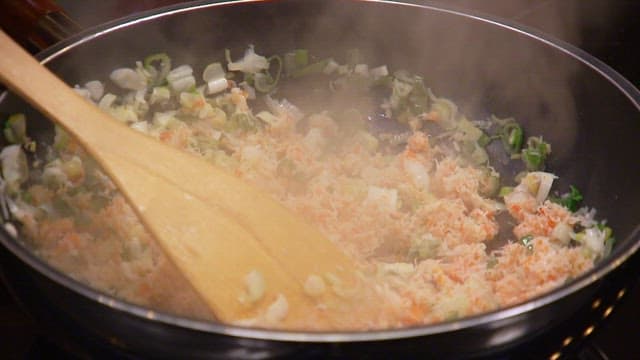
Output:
x=394 y=175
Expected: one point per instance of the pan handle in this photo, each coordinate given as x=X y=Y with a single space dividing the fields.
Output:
x=36 y=24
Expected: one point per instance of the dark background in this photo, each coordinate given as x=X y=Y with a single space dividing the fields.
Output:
x=610 y=30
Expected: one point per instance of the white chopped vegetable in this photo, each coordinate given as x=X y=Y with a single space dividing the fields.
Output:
x=163 y=119
x=126 y=114
x=255 y=286
x=159 y=94
x=562 y=232
x=250 y=63
x=53 y=175
x=141 y=126
x=399 y=91
x=445 y=108
x=181 y=78
x=191 y=100
x=343 y=69
x=214 y=76
x=417 y=172
x=283 y=108
x=107 y=101
x=251 y=92
x=95 y=88
x=73 y=168
x=594 y=239
x=82 y=92
x=361 y=69
x=268 y=117
x=379 y=72
x=385 y=199
x=399 y=269
x=539 y=183
x=331 y=67
x=278 y=310
x=216 y=86
x=14 y=166
x=314 y=286
x=11 y=229
x=128 y=79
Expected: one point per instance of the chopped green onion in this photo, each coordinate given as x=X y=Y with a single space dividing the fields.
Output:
x=505 y=190
x=490 y=183
x=512 y=136
x=570 y=200
x=265 y=82
x=527 y=241
x=608 y=246
x=159 y=74
x=479 y=155
x=536 y=153
x=15 y=129
x=484 y=140
x=289 y=63
x=61 y=139
x=301 y=58
x=314 y=68
x=418 y=98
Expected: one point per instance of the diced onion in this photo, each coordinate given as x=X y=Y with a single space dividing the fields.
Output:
x=107 y=101
x=95 y=88
x=128 y=79
x=181 y=78
x=283 y=108
x=331 y=67
x=361 y=69
x=379 y=72
x=268 y=117
x=141 y=126
x=594 y=239
x=159 y=94
x=250 y=63
x=546 y=180
x=82 y=92
x=562 y=233
x=14 y=166
x=214 y=76
x=400 y=268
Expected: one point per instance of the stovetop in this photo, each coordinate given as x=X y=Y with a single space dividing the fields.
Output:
x=607 y=29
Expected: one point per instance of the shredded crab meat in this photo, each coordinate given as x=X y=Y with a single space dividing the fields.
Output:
x=416 y=217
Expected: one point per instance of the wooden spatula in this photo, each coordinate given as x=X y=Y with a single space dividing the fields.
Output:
x=213 y=226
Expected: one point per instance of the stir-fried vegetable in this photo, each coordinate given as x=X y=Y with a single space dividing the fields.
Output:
x=399 y=178
x=535 y=154
x=570 y=200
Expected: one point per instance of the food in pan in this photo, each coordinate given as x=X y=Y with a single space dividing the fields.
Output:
x=397 y=177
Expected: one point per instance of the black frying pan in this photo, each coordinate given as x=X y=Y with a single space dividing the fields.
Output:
x=587 y=111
